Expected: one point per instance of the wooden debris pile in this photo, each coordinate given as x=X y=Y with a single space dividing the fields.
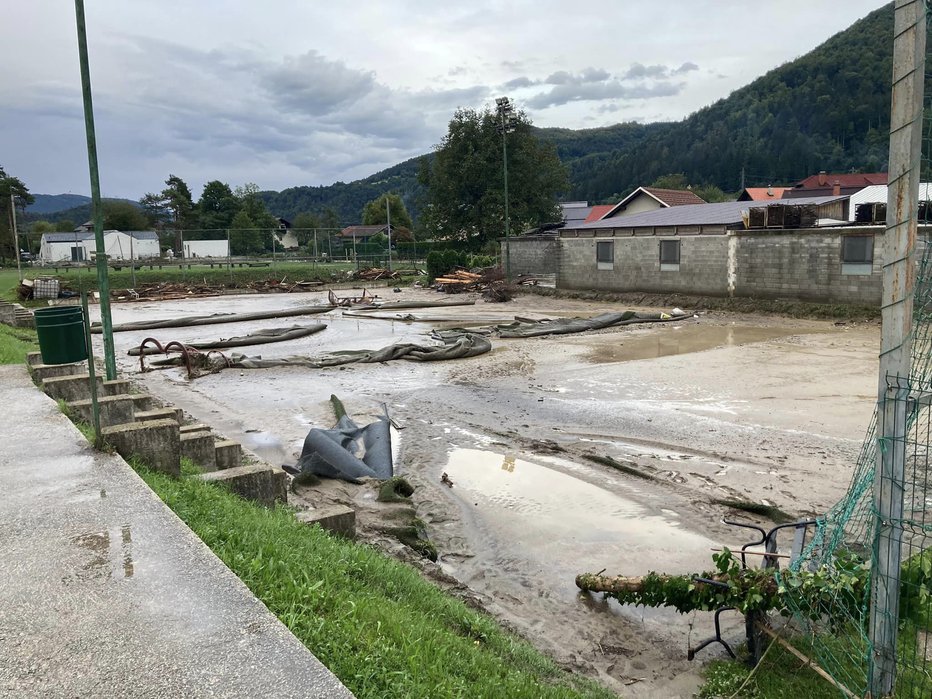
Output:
x=265 y=286
x=489 y=282
x=166 y=291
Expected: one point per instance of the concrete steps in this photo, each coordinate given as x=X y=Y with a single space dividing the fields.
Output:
x=136 y=427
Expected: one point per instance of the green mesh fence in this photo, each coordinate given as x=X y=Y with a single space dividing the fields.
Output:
x=848 y=543
x=835 y=628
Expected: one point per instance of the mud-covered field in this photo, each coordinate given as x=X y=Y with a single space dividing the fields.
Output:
x=718 y=407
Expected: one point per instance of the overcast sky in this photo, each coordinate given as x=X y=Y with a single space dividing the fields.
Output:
x=305 y=92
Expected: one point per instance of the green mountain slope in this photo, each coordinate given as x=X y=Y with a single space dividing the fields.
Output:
x=828 y=110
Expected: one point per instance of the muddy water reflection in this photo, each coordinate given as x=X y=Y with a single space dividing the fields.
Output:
x=683 y=340
x=563 y=523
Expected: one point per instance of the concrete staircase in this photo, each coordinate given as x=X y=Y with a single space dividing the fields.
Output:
x=136 y=427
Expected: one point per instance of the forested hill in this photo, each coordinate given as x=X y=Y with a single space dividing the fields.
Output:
x=828 y=110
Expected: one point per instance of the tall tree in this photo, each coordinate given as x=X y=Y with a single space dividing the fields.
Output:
x=21 y=199
x=330 y=219
x=465 y=189
x=217 y=206
x=177 y=199
x=123 y=216
x=259 y=237
x=374 y=213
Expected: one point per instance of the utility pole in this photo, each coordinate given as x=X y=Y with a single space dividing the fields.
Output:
x=742 y=178
x=896 y=337
x=103 y=280
x=19 y=264
x=388 y=216
x=506 y=115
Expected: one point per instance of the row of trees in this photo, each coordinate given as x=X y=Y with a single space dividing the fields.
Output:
x=463 y=197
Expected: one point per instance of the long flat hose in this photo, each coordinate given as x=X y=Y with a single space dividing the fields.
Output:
x=260 y=337
x=215 y=319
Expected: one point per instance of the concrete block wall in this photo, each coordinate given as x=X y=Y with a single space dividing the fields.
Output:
x=805 y=265
x=532 y=255
x=703 y=265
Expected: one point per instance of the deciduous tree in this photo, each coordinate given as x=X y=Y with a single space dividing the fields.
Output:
x=21 y=199
x=465 y=180
x=374 y=213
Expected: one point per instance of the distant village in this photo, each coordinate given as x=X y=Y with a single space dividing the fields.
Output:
x=811 y=241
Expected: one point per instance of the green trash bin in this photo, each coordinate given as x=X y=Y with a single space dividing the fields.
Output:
x=61 y=334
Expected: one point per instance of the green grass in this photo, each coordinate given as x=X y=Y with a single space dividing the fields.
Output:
x=86 y=278
x=15 y=343
x=782 y=675
x=380 y=627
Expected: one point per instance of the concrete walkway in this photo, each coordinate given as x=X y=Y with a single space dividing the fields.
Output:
x=104 y=592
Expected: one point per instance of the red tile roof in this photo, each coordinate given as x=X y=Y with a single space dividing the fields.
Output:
x=843 y=179
x=598 y=211
x=764 y=193
x=674 y=197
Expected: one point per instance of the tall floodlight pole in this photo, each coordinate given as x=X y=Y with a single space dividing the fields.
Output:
x=19 y=263
x=505 y=126
x=388 y=217
x=103 y=281
x=899 y=273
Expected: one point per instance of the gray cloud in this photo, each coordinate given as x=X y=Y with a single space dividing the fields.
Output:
x=312 y=84
x=518 y=83
x=639 y=70
x=686 y=67
x=614 y=89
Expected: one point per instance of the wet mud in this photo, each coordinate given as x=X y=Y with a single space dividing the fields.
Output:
x=718 y=407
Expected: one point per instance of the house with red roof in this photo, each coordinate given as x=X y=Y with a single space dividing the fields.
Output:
x=768 y=193
x=828 y=184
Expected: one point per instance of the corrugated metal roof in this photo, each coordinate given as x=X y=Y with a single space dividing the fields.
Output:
x=724 y=213
x=66 y=237
x=877 y=194
x=142 y=235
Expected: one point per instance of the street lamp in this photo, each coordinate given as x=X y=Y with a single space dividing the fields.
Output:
x=506 y=124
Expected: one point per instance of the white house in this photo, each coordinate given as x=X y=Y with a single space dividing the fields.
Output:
x=135 y=245
x=877 y=194
x=66 y=247
x=206 y=248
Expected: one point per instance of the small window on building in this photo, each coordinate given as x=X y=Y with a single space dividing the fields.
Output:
x=669 y=255
x=605 y=254
x=857 y=254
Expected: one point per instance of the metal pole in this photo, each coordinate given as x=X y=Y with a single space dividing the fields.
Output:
x=132 y=258
x=92 y=372
x=19 y=266
x=273 y=249
x=896 y=336
x=229 y=257
x=103 y=280
x=388 y=216
x=507 y=219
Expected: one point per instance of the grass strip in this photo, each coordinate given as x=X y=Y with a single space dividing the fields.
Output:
x=15 y=343
x=376 y=623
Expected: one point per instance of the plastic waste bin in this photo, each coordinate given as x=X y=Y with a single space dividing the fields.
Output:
x=61 y=334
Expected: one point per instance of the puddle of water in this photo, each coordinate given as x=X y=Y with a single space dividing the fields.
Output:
x=683 y=340
x=106 y=561
x=266 y=446
x=558 y=518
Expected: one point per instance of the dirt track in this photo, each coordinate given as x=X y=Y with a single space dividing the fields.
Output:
x=720 y=407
